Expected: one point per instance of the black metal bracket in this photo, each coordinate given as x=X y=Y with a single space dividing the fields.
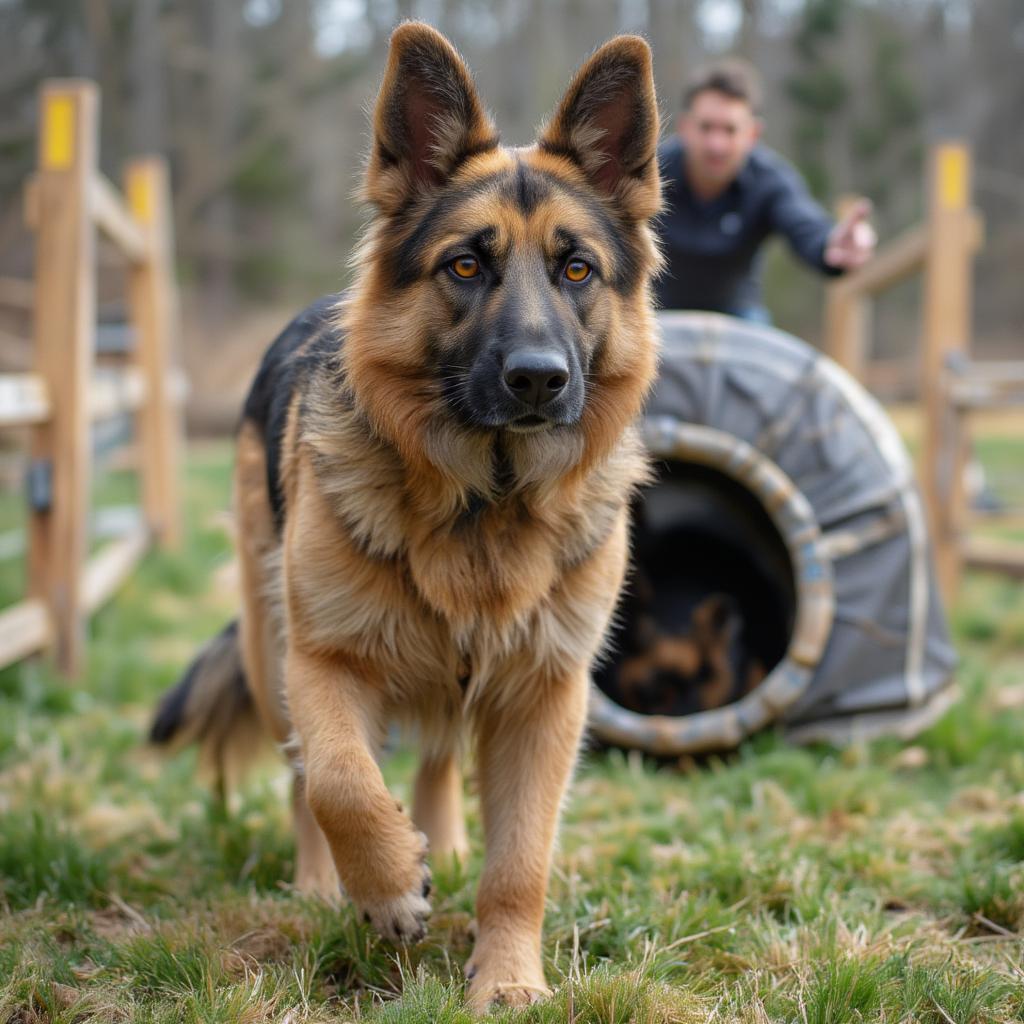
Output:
x=39 y=485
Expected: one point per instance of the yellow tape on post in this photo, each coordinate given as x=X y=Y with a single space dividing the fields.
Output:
x=953 y=177
x=140 y=195
x=58 y=132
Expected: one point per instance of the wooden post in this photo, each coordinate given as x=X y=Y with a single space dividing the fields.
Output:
x=847 y=327
x=154 y=314
x=64 y=319
x=847 y=316
x=947 y=330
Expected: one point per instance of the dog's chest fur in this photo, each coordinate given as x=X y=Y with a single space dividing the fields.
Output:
x=434 y=590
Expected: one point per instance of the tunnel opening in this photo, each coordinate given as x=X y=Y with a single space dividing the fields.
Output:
x=710 y=603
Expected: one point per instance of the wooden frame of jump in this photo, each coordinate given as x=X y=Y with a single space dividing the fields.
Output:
x=67 y=201
x=942 y=249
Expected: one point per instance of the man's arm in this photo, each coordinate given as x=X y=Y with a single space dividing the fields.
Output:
x=829 y=247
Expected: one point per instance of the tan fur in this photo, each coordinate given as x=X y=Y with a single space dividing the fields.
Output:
x=382 y=600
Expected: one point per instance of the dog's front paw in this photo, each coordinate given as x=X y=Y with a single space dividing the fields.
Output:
x=403 y=918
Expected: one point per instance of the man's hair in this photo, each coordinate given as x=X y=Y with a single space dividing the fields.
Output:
x=731 y=76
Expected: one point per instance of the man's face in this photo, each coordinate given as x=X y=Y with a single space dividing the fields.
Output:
x=718 y=131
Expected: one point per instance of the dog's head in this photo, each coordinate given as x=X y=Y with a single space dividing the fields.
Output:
x=503 y=294
x=672 y=668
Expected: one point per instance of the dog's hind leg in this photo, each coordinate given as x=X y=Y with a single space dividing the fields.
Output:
x=437 y=806
x=259 y=571
x=315 y=873
x=262 y=644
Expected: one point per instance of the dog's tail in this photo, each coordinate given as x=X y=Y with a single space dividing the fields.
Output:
x=212 y=706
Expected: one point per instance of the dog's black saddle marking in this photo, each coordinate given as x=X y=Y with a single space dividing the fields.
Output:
x=309 y=341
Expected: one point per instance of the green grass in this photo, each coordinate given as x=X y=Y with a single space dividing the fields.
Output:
x=811 y=886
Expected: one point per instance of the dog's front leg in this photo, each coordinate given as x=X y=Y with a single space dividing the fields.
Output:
x=380 y=857
x=525 y=752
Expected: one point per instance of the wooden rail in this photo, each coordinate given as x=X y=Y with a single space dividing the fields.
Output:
x=113 y=218
x=25 y=628
x=942 y=250
x=25 y=397
x=109 y=567
x=67 y=202
x=994 y=555
x=24 y=400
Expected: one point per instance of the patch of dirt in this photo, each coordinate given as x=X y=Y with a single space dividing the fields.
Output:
x=115 y=924
x=262 y=945
x=220 y=364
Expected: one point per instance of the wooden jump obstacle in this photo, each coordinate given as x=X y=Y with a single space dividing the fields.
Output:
x=952 y=385
x=67 y=200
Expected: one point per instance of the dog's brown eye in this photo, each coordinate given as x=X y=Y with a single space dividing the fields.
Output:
x=465 y=267
x=577 y=271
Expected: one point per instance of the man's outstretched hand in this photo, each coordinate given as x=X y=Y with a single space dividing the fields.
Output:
x=851 y=243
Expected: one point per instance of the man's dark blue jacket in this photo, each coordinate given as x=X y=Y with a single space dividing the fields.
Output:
x=713 y=249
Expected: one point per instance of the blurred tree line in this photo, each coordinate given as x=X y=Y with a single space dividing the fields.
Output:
x=261 y=106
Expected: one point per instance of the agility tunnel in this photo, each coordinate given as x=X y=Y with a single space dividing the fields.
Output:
x=782 y=573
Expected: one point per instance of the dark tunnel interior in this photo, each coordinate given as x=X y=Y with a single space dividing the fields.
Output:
x=710 y=601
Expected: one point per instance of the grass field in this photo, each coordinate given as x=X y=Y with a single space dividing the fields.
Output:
x=882 y=883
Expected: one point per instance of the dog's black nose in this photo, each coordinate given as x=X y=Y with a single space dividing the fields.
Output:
x=535 y=376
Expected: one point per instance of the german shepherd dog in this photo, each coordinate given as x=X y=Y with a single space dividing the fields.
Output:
x=432 y=488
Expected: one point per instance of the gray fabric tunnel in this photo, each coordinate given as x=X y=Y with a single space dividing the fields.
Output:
x=813 y=482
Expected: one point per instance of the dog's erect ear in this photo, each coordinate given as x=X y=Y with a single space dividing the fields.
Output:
x=607 y=123
x=428 y=118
